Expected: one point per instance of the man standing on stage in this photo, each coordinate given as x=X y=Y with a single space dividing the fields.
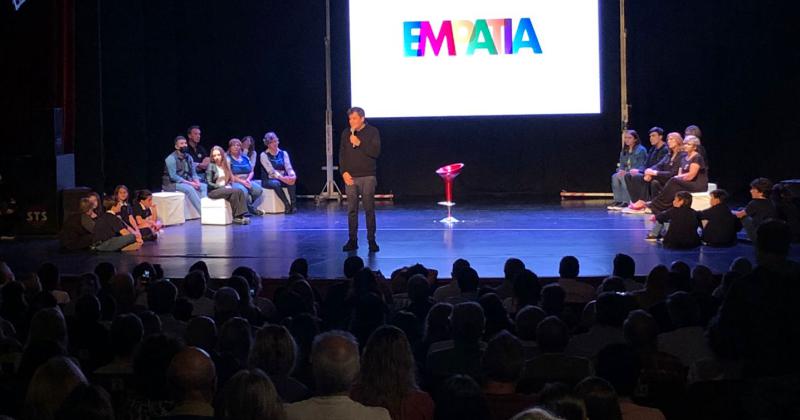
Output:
x=358 y=152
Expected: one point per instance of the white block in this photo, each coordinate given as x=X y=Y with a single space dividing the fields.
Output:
x=189 y=212
x=171 y=207
x=215 y=211
x=702 y=200
x=270 y=203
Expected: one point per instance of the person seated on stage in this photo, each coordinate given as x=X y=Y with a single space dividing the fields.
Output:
x=759 y=209
x=719 y=225
x=110 y=234
x=692 y=177
x=694 y=130
x=197 y=151
x=145 y=215
x=678 y=225
x=654 y=177
x=180 y=175
x=125 y=214
x=788 y=208
x=278 y=173
x=632 y=156
x=220 y=180
x=242 y=172
x=637 y=186
x=249 y=150
x=76 y=233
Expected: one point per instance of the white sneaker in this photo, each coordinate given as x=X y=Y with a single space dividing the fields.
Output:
x=628 y=210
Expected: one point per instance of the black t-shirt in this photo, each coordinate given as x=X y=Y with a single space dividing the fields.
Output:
x=760 y=209
x=74 y=234
x=106 y=227
x=125 y=212
x=683 y=224
x=143 y=212
x=686 y=163
x=721 y=226
x=198 y=154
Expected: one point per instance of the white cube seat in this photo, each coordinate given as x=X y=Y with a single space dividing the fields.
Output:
x=702 y=200
x=215 y=211
x=269 y=202
x=171 y=207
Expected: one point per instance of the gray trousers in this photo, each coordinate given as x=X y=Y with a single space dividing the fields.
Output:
x=116 y=243
x=235 y=196
x=365 y=186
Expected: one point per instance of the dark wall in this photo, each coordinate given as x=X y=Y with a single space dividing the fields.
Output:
x=145 y=70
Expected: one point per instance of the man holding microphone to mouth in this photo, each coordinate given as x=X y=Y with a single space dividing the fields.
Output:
x=359 y=149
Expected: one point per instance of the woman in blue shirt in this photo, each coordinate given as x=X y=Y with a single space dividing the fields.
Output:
x=242 y=172
x=632 y=156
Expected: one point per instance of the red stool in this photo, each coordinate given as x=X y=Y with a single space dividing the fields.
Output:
x=448 y=174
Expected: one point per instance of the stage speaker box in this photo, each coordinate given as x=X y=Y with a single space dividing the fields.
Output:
x=35 y=172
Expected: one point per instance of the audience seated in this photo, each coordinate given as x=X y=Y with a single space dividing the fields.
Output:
x=50 y=386
x=468 y=282
x=235 y=340
x=336 y=367
x=655 y=288
x=625 y=268
x=463 y=354
x=274 y=352
x=612 y=309
x=576 y=291
x=193 y=382
x=497 y=318
x=250 y=395
x=151 y=394
x=620 y=366
x=502 y=370
x=388 y=378
x=558 y=399
x=511 y=268
x=460 y=397
x=600 y=399
x=86 y=402
x=180 y=174
x=552 y=365
x=443 y=293
x=526 y=322
x=527 y=291
x=687 y=341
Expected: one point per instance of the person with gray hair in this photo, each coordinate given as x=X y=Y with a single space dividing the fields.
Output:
x=278 y=173
x=692 y=176
x=336 y=365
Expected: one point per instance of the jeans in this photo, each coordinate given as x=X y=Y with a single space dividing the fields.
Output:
x=364 y=185
x=116 y=243
x=659 y=229
x=278 y=187
x=236 y=197
x=750 y=227
x=252 y=194
x=192 y=194
x=619 y=188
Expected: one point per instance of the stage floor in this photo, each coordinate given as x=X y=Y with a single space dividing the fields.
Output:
x=539 y=234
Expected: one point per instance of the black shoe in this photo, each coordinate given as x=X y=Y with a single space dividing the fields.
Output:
x=351 y=245
x=373 y=246
x=294 y=209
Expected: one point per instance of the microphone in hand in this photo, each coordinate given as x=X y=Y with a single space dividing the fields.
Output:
x=353 y=133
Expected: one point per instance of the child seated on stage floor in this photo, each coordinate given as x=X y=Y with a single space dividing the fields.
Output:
x=678 y=224
x=719 y=224
x=759 y=209
x=110 y=233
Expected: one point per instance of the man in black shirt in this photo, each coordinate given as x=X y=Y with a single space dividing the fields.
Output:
x=110 y=234
x=720 y=225
x=638 y=187
x=197 y=151
x=358 y=152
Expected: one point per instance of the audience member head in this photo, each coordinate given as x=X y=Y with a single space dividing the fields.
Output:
x=50 y=386
x=200 y=266
x=226 y=301
x=683 y=270
x=274 y=351
x=250 y=394
x=86 y=402
x=527 y=289
x=657 y=279
x=641 y=330
x=125 y=335
x=773 y=240
x=619 y=365
x=239 y=284
x=48 y=325
x=365 y=282
x=559 y=400
x=105 y=271
x=387 y=369
x=335 y=362
x=536 y=414
x=304 y=327
x=6 y=275
x=183 y=309
x=151 y=323
x=299 y=266
x=569 y=267
x=468 y=322
x=553 y=297
x=31 y=284
x=235 y=338
x=192 y=376
x=496 y=316
x=194 y=285
x=460 y=397
x=417 y=269
x=760 y=188
x=624 y=266
x=49 y=277
x=458 y=265
x=437 y=323
x=409 y=324
x=600 y=399
x=504 y=359
x=468 y=280
x=741 y=265
x=87 y=309
x=13 y=298
x=612 y=284
x=252 y=278
x=512 y=268
x=150 y=365
x=702 y=280
x=683 y=310
x=352 y=265
x=88 y=284
x=552 y=335
x=201 y=332
x=612 y=309
x=161 y=297
x=123 y=292
x=418 y=288
x=528 y=318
